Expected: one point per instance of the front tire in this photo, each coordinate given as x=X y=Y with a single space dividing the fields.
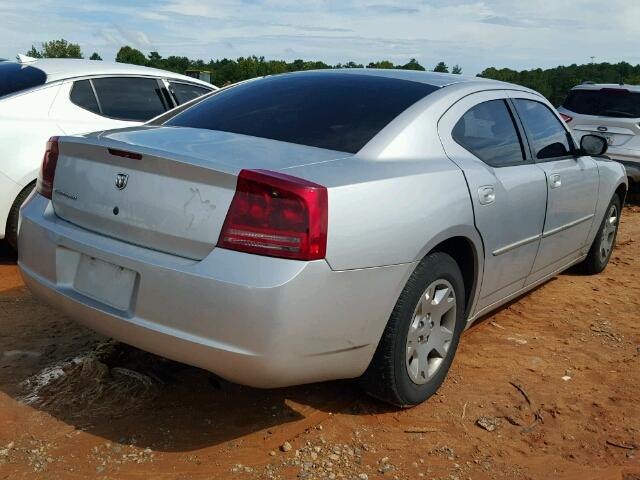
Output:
x=11 y=231
x=422 y=335
x=602 y=246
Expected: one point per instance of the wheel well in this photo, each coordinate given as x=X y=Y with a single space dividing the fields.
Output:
x=621 y=192
x=30 y=186
x=463 y=252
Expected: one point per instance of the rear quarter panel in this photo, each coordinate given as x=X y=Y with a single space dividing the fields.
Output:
x=395 y=212
x=25 y=128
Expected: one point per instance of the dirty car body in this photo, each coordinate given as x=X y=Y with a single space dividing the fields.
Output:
x=385 y=160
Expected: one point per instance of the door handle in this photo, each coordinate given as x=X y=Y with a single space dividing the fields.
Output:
x=486 y=195
x=555 y=181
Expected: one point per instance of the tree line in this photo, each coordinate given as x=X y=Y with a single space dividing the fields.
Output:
x=223 y=71
x=554 y=83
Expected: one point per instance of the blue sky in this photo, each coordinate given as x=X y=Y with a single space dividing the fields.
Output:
x=475 y=34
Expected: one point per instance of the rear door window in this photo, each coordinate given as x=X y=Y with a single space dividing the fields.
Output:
x=336 y=111
x=15 y=77
x=546 y=133
x=82 y=95
x=184 y=92
x=130 y=98
x=489 y=132
x=606 y=102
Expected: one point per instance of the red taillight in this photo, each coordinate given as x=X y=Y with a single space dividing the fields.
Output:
x=44 y=186
x=566 y=118
x=277 y=215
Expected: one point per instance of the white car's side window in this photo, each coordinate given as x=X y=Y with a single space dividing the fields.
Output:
x=121 y=98
x=185 y=92
x=83 y=96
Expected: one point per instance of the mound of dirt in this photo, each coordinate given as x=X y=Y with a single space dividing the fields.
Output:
x=90 y=384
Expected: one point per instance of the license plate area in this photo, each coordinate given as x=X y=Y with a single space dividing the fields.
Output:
x=106 y=283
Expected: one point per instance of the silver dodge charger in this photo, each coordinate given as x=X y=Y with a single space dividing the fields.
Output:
x=319 y=225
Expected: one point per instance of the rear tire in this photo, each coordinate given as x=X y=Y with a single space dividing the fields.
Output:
x=11 y=232
x=602 y=246
x=422 y=335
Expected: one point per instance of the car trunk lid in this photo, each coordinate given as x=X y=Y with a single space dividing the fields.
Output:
x=617 y=131
x=164 y=188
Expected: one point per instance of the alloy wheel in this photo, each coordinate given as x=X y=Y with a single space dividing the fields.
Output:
x=609 y=232
x=431 y=331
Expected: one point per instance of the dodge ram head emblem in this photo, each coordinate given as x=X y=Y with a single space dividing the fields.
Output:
x=121 y=181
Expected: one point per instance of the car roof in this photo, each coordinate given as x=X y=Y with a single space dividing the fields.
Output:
x=64 y=68
x=431 y=78
x=600 y=86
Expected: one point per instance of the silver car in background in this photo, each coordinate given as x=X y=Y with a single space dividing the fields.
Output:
x=319 y=225
x=613 y=112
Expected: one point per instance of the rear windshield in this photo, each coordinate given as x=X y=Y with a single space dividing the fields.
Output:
x=337 y=111
x=608 y=102
x=15 y=77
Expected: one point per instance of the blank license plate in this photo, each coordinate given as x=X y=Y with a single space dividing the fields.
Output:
x=105 y=282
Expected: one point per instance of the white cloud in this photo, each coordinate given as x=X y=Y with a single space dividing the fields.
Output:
x=475 y=34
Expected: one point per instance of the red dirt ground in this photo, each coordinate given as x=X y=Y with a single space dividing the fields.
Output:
x=122 y=413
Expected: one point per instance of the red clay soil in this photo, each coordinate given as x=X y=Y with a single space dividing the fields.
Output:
x=547 y=387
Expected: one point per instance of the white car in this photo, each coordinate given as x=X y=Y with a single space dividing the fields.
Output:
x=44 y=98
x=613 y=112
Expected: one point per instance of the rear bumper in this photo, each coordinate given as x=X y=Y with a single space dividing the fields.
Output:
x=259 y=321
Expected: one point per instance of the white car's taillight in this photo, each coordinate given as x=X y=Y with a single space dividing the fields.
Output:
x=277 y=215
x=566 y=118
x=44 y=185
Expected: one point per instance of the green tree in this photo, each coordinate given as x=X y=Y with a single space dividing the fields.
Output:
x=61 y=49
x=34 y=53
x=349 y=65
x=457 y=69
x=385 y=64
x=95 y=56
x=412 y=65
x=131 y=55
x=155 y=60
x=441 y=67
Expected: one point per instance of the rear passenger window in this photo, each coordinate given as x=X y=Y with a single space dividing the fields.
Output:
x=15 y=77
x=546 y=134
x=82 y=95
x=183 y=92
x=488 y=131
x=135 y=99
